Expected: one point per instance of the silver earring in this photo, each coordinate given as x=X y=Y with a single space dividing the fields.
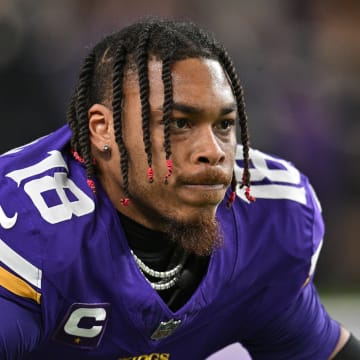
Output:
x=106 y=148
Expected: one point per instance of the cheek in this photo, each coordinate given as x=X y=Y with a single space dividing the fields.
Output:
x=137 y=164
x=233 y=148
x=231 y=145
x=135 y=147
x=228 y=145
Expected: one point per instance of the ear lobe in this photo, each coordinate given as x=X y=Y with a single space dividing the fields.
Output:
x=100 y=125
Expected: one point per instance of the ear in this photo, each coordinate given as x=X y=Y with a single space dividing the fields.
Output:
x=100 y=126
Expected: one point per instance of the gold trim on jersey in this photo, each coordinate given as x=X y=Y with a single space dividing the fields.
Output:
x=18 y=286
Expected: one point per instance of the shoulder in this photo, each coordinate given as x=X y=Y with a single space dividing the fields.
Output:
x=38 y=174
x=275 y=178
x=281 y=190
x=41 y=189
x=284 y=227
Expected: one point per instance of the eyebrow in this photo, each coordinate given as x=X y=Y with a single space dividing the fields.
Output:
x=193 y=110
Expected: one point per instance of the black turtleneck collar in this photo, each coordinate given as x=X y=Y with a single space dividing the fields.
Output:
x=153 y=247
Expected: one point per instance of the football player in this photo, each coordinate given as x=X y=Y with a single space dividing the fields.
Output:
x=132 y=232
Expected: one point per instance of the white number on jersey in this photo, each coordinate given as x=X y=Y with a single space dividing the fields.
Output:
x=59 y=183
x=285 y=179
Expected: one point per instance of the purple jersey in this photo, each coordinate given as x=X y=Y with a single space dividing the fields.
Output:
x=67 y=273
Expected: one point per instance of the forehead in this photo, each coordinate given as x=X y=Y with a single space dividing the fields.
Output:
x=192 y=72
x=194 y=80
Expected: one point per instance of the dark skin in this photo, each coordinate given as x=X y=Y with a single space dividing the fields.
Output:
x=203 y=142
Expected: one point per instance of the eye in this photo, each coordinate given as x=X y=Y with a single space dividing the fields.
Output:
x=180 y=123
x=225 y=124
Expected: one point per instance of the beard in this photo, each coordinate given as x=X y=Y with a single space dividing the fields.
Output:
x=200 y=236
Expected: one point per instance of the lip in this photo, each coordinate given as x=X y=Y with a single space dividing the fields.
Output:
x=207 y=187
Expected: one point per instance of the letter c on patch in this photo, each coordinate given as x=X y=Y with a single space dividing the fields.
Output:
x=93 y=314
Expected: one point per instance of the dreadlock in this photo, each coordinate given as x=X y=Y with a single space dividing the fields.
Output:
x=101 y=79
x=118 y=75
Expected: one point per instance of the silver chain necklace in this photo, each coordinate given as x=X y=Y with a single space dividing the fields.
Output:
x=167 y=278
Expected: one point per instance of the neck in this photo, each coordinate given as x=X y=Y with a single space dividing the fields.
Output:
x=153 y=247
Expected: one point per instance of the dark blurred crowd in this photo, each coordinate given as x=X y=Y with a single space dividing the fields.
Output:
x=299 y=61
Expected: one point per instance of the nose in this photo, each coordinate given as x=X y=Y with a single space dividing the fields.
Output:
x=207 y=149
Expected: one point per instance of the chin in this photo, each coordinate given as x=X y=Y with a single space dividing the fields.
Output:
x=192 y=213
x=200 y=202
x=199 y=234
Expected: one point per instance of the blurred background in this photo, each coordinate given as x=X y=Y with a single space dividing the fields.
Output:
x=299 y=61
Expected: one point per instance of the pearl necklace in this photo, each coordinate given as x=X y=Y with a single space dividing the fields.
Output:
x=167 y=278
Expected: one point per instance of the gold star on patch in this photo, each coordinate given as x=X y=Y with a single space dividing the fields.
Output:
x=77 y=340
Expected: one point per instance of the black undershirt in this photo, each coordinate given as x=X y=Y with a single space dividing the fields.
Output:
x=156 y=250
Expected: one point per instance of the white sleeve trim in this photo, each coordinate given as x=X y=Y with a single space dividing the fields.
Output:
x=314 y=258
x=19 y=265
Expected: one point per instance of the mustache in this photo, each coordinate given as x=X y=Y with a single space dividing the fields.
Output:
x=205 y=177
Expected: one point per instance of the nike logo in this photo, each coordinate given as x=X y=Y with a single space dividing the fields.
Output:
x=5 y=221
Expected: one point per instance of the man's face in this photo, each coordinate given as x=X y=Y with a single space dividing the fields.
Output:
x=203 y=144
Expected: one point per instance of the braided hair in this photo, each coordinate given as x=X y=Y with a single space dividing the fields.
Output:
x=101 y=78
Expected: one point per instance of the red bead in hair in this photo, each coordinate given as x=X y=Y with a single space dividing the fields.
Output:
x=150 y=174
x=77 y=157
x=91 y=185
x=80 y=159
x=231 y=199
x=247 y=189
x=169 y=166
x=248 y=195
x=125 y=201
